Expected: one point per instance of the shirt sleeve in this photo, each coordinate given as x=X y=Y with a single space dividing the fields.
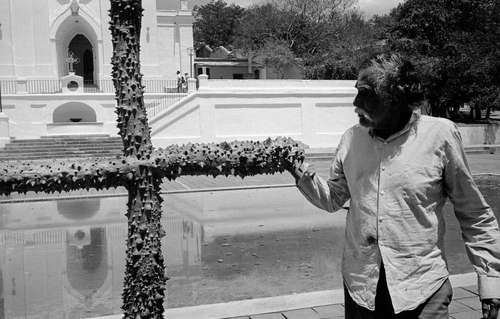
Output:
x=477 y=221
x=329 y=195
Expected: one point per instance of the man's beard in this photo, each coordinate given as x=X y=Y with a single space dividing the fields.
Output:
x=363 y=121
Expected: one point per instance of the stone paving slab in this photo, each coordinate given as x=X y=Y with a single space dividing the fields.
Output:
x=269 y=316
x=330 y=311
x=465 y=305
x=301 y=313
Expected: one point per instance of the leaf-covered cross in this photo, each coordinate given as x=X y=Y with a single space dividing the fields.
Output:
x=141 y=168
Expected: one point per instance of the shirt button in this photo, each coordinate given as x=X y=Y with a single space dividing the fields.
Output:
x=371 y=240
x=383 y=168
x=382 y=193
x=380 y=220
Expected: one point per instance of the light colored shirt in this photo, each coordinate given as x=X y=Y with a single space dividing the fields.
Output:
x=397 y=189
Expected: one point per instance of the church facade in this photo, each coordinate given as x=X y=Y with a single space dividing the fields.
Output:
x=37 y=36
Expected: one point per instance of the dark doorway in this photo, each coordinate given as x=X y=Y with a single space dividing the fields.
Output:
x=88 y=67
x=82 y=49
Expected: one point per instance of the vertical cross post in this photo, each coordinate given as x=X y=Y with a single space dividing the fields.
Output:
x=144 y=284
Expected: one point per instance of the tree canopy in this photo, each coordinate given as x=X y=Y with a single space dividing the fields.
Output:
x=215 y=23
x=455 y=44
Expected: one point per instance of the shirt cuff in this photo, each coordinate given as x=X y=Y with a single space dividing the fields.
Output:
x=304 y=177
x=489 y=287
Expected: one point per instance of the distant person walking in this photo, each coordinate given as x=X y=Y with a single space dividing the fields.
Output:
x=398 y=167
x=179 y=82
x=185 y=82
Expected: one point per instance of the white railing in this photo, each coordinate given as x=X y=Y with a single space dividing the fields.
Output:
x=160 y=86
x=8 y=86
x=98 y=86
x=48 y=86
x=157 y=105
x=53 y=86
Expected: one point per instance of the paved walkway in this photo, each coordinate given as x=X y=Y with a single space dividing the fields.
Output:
x=465 y=305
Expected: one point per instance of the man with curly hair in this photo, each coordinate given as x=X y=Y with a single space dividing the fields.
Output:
x=398 y=167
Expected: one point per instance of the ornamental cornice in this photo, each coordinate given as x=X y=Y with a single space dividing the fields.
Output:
x=64 y=11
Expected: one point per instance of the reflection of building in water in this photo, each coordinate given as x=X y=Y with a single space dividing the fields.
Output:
x=88 y=279
x=61 y=271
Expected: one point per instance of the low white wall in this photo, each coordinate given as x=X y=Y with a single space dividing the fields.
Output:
x=314 y=112
x=32 y=115
x=473 y=134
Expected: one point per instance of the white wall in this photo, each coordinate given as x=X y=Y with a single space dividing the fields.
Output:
x=31 y=116
x=314 y=112
x=473 y=134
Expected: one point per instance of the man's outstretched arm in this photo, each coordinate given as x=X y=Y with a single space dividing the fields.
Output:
x=329 y=195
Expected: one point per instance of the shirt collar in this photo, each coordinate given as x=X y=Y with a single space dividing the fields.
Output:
x=413 y=119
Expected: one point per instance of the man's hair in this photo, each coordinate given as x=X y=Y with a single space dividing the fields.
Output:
x=394 y=79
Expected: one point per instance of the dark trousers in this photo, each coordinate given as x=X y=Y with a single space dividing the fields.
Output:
x=436 y=307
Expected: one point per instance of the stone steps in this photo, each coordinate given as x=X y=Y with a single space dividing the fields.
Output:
x=62 y=147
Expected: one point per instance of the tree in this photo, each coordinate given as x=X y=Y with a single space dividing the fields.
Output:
x=141 y=168
x=456 y=44
x=356 y=40
x=263 y=23
x=215 y=23
x=307 y=27
x=317 y=11
x=277 y=56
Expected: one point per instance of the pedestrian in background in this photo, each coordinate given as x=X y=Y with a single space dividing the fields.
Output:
x=179 y=82
x=185 y=82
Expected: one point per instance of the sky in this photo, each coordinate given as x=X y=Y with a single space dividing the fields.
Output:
x=368 y=7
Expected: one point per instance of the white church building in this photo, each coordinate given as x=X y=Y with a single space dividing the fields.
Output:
x=36 y=36
x=40 y=94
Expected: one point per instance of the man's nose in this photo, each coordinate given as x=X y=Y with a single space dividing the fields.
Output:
x=356 y=101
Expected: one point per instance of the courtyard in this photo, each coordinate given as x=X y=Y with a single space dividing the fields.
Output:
x=229 y=241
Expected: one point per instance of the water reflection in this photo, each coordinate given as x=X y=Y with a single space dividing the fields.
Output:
x=87 y=268
x=78 y=209
x=60 y=261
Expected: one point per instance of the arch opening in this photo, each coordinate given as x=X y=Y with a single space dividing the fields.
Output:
x=74 y=112
x=75 y=34
x=82 y=49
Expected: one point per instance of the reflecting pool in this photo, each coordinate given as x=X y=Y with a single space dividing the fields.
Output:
x=65 y=259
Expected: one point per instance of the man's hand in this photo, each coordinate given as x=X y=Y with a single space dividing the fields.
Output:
x=490 y=308
x=296 y=168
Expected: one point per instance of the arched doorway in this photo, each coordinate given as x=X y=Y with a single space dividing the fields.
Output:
x=78 y=33
x=82 y=49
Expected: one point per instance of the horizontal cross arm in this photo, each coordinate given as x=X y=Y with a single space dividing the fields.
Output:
x=240 y=158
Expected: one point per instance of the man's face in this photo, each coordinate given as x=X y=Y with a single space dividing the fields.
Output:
x=370 y=108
